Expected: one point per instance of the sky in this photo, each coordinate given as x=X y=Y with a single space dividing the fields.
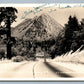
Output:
x=59 y=13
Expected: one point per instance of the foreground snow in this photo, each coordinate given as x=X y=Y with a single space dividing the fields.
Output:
x=10 y=69
x=40 y=69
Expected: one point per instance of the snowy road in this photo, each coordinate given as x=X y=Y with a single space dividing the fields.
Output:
x=37 y=69
x=17 y=70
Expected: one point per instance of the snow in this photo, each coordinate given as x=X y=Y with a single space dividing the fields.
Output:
x=73 y=61
x=78 y=68
x=10 y=69
x=43 y=72
x=57 y=68
x=77 y=57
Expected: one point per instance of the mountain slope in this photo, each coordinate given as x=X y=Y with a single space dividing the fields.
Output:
x=40 y=28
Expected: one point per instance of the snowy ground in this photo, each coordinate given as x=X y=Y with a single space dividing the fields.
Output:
x=16 y=70
x=40 y=69
x=77 y=57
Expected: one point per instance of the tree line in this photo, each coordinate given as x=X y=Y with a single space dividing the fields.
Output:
x=71 y=37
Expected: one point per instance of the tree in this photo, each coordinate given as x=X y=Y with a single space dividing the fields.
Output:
x=8 y=16
x=66 y=39
x=70 y=28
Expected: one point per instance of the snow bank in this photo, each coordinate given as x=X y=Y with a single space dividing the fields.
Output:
x=76 y=57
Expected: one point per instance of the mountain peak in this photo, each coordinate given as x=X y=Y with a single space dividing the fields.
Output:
x=39 y=25
x=44 y=15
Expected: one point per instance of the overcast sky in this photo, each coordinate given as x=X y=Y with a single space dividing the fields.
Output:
x=61 y=15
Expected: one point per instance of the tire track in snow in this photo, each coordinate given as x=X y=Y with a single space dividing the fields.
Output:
x=34 y=69
x=58 y=71
x=42 y=71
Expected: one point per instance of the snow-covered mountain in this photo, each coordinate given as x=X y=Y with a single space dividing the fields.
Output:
x=40 y=27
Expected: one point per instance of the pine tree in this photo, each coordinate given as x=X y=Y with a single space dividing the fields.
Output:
x=8 y=16
x=70 y=28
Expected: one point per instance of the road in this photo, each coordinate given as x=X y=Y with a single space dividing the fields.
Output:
x=36 y=69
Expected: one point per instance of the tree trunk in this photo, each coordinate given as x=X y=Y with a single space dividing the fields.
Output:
x=8 y=51
x=8 y=38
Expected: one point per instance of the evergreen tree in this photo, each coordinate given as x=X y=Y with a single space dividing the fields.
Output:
x=8 y=16
x=70 y=28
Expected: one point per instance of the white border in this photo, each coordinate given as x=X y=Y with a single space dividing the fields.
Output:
x=41 y=79
x=46 y=5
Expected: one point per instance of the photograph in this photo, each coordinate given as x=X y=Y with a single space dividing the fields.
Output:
x=42 y=41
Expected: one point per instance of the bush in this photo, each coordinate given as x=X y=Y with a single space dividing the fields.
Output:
x=33 y=58
x=17 y=59
x=2 y=53
x=14 y=52
x=26 y=58
x=30 y=58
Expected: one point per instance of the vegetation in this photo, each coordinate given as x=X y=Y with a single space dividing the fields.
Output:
x=17 y=59
x=7 y=16
x=2 y=53
x=71 y=38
